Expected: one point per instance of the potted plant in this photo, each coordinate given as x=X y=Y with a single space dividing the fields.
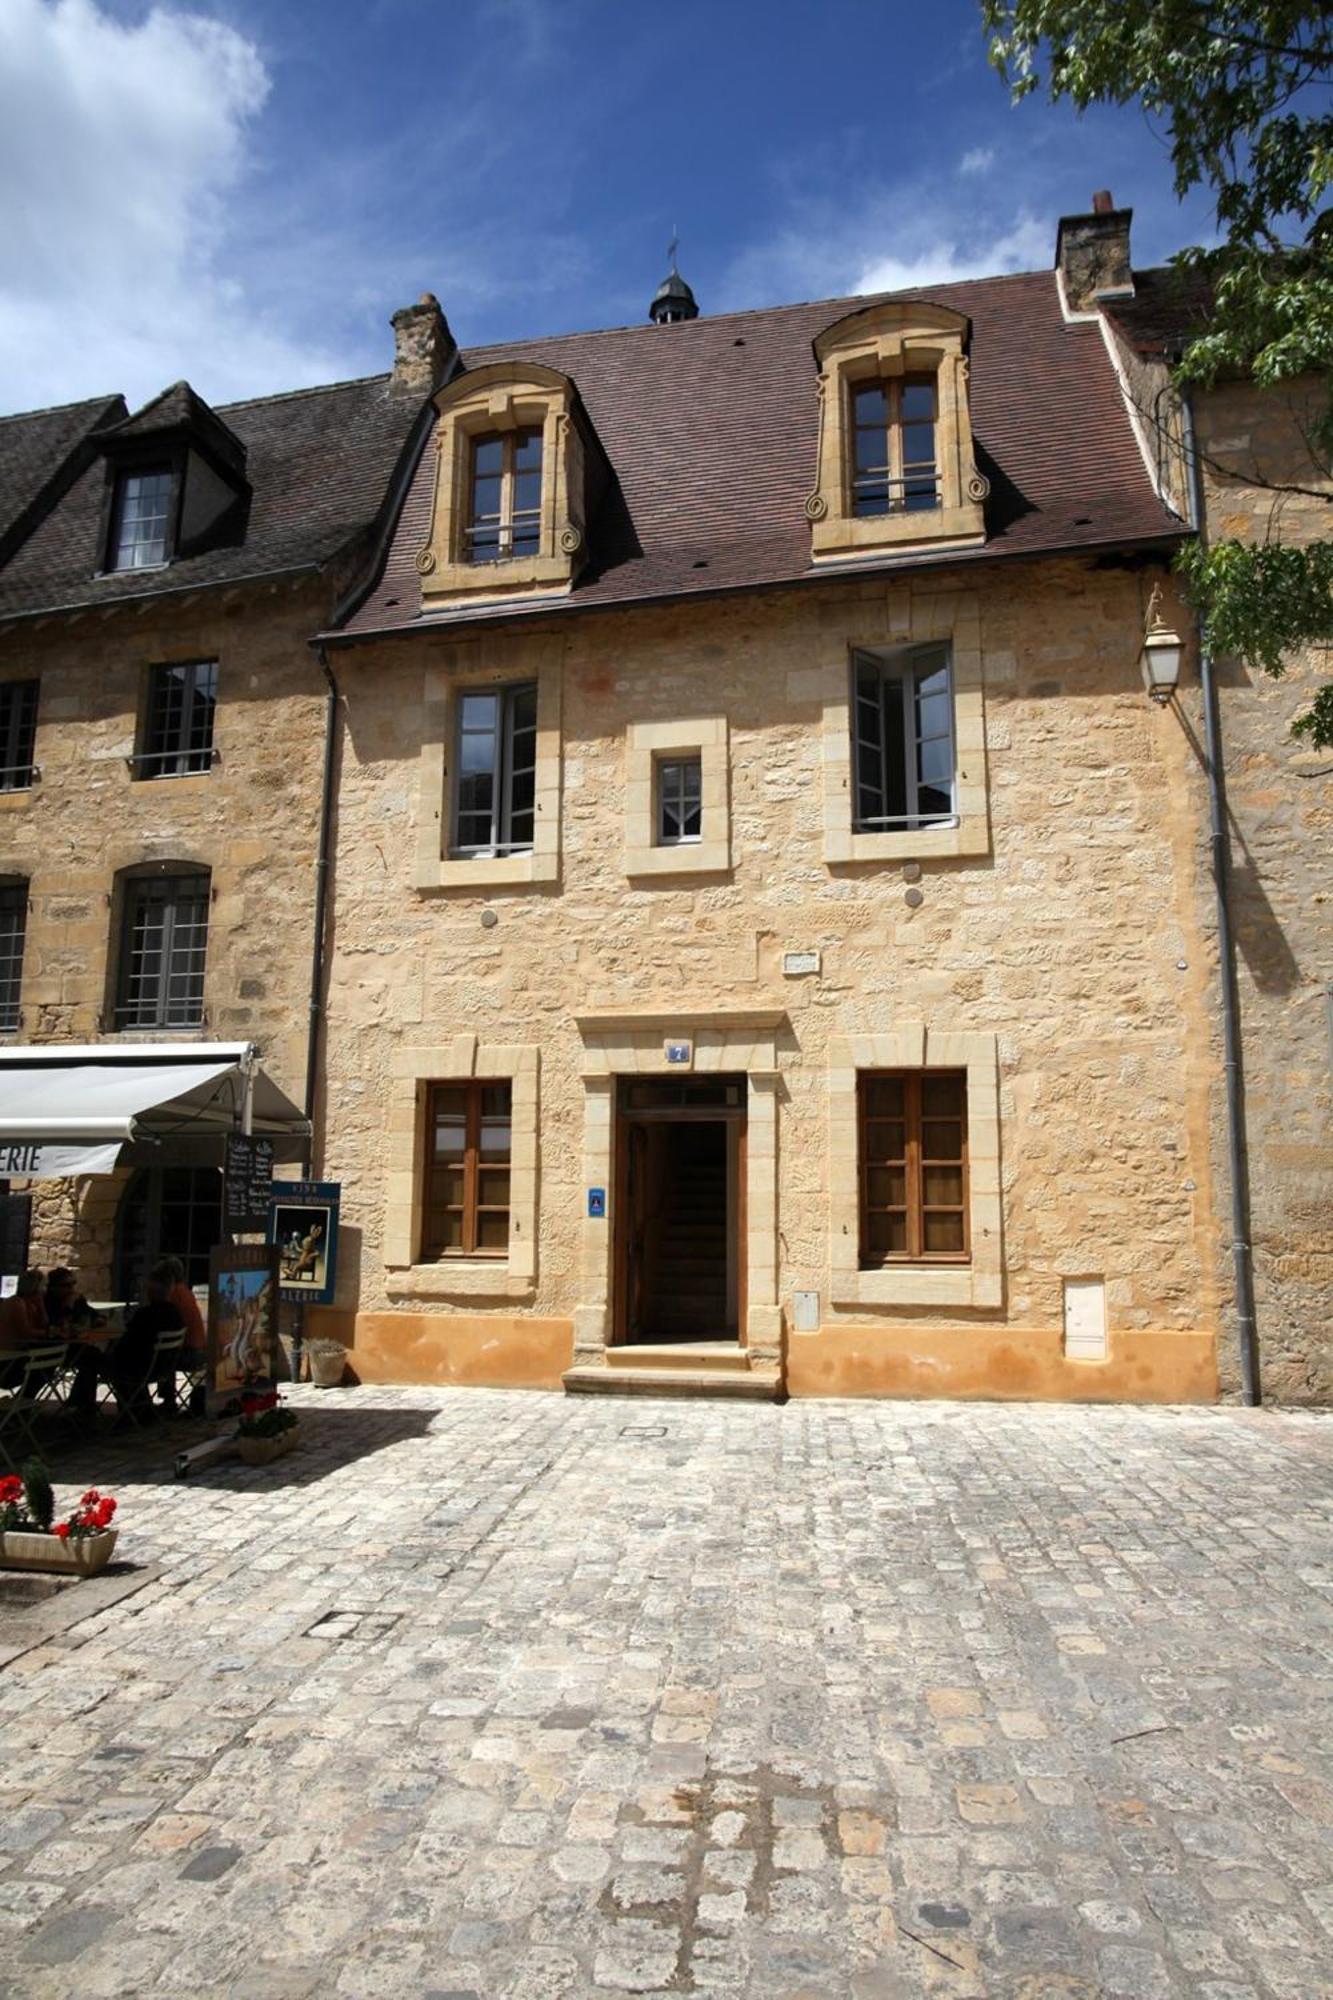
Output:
x=32 y=1538
x=328 y=1362
x=267 y=1428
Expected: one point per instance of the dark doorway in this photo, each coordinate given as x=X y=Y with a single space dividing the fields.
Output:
x=167 y=1211
x=681 y=1146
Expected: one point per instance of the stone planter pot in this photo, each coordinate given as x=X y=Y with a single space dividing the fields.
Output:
x=263 y=1451
x=328 y=1363
x=81 y=1555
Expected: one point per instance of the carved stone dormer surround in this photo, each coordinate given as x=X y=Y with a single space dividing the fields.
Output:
x=880 y=342
x=501 y=397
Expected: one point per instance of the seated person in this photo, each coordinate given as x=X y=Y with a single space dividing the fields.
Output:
x=67 y=1311
x=130 y=1362
x=23 y=1324
x=196 y=1335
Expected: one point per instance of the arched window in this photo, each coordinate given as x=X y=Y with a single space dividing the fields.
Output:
x=163 y=941
x=167 y=1212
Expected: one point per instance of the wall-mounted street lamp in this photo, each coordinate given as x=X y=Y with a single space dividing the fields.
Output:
x=1162 y=648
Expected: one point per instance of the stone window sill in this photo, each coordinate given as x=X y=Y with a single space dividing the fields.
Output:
x=919 y=1285
x=455 y=1278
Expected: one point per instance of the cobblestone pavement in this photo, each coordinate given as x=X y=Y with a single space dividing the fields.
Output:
x=502 y=1695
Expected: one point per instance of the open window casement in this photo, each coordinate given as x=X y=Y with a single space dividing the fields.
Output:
x=896 y=465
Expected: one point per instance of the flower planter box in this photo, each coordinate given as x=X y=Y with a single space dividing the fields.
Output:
x=80 y=1555
x=263 y=1451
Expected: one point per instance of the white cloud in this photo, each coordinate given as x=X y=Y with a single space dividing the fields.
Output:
x=976 y=160
x=124 y=147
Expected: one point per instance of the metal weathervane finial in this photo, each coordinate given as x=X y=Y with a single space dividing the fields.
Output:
x=672 y=248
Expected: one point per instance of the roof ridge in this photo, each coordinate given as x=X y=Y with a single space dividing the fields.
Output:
x=59 y=409
x=707 y=319
x=311 y=389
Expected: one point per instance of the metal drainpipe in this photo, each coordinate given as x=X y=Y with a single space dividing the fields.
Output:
x=321 y=907
x=1241 y=1253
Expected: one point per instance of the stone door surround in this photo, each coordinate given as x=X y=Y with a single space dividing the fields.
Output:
x=633 y=1043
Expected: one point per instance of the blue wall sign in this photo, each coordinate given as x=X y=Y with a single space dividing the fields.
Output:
x=597 y=1201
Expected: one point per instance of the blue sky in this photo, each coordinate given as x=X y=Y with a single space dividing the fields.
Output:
x=242 y=191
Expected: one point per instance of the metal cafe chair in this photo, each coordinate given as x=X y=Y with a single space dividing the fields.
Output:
x=163 y=1359
x=32 y=1395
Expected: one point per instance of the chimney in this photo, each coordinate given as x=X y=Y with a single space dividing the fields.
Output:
x=1092 y=255
x=423 y=347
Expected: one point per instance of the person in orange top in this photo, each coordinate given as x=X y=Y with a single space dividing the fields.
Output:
x=186 y=1304
x=23 y=1324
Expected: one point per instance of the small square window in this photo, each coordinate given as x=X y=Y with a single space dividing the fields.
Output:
x=18 y=734
x=178 y=724
x=141 y=527
x=680 y=784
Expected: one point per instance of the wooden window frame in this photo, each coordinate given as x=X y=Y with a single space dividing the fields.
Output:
x=902 y=670
x=433 y=1250
x=13 y=938
x=167 y=748
x=501 y=844
x=18 y=734
x=676 y=761
x=168 y=468
x=895 y=474
x=140 y=1004
x=503 y=525
x=914 y=1164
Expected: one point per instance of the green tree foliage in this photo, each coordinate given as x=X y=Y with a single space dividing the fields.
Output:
x=1241 y=93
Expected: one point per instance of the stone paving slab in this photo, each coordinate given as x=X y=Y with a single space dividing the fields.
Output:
x=483 y=1694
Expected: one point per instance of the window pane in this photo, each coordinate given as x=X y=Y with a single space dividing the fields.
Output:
x=13 y=924
x=449 y=1136
x=942 y=1233
x=941 y=1139
x=942 y=1187
x=886 y=1187
x=493 y=1187
x=18 y=734
x=446 y=1187
x=886 y=1139
x=935 y=763
x=870 y=404
x=942 y=1096
x=883 y=1096
x=488 y=458
x=528 y=451
x=885 y=1234
x=918 y=399
x=493 y=1231
x=143 y=509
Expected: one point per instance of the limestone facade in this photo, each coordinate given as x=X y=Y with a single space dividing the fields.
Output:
x=1059 y=959
x=252 y=821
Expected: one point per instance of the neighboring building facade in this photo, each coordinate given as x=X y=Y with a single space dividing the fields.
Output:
x=1260 y=477
x=161 y=749
x=765 y=900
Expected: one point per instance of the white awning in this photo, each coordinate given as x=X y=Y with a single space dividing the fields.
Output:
x=69 y=1110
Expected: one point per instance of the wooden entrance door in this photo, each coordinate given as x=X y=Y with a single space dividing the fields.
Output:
x=680 y=1153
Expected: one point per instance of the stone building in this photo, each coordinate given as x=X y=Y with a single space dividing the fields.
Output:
x=768 y=940
x=161 y=746
x=1258 y=478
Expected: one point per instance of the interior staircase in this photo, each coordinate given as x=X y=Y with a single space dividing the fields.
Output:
x=710 y=1368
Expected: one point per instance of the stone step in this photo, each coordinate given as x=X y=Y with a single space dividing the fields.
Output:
x=756 y=1385
x=718 y=1354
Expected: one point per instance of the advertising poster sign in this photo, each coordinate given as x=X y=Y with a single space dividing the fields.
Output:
x=242 y=1316
x=303 y=1228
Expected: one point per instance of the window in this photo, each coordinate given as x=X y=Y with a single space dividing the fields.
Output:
x=167 y=1211
x=178 y=727
x=506 y=497
x=18 y=734
x=141 y=525
x=680 y=783
x=466 y=1187
x=13 y=926
x=893 y=462
x=913 y=1166
x=495 y=789
x=903 y=740
x=163 y=940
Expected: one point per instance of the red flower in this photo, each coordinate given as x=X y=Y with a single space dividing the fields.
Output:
x=62 y=1530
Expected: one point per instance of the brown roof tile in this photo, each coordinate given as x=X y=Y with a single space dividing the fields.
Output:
x=35 y=451
x=710 y=425
x=318 y=462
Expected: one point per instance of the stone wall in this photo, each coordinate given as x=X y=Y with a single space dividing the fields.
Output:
x=252 y=820
x=1280 y=800
x=1074 y=942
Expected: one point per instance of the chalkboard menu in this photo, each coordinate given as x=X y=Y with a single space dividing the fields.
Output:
x=247 y=1183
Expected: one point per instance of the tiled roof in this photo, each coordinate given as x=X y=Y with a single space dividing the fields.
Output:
x=710 y=426
x=35 y=449
x=1169 y=307
x=319 y=462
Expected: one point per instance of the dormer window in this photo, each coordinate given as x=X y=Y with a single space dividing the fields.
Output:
x=896 y=462
x=506 y=508
x=520 y=473
x=893 y=430
x=141 y=530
